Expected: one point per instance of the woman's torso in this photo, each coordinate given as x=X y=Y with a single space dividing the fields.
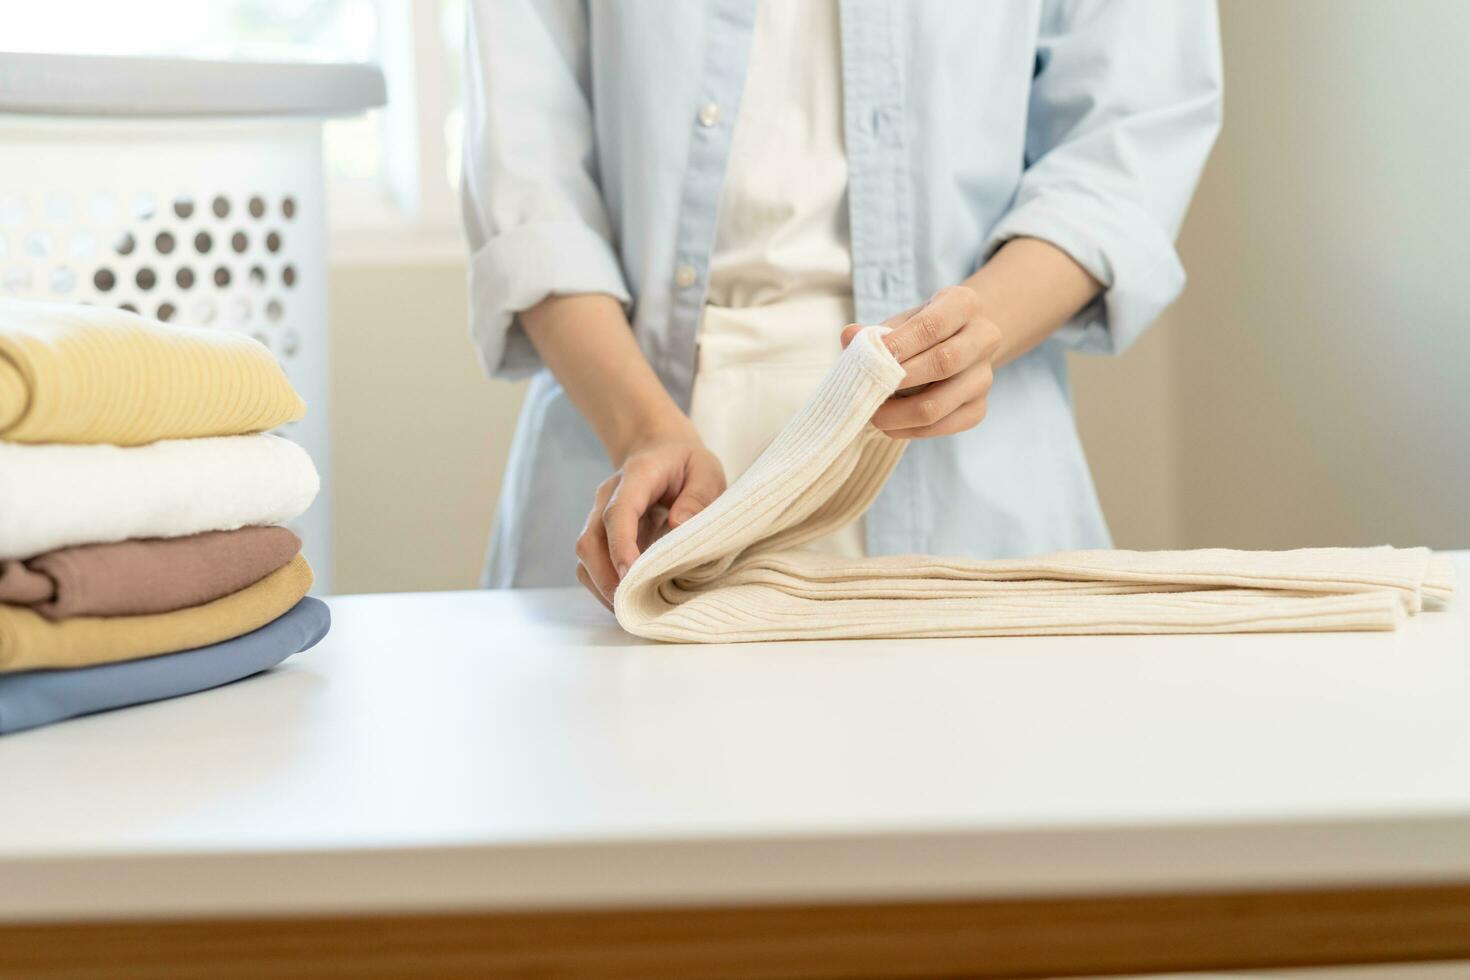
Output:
x=934 y=120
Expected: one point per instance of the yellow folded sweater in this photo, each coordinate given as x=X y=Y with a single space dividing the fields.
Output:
x=29 y=642
x=92 y=374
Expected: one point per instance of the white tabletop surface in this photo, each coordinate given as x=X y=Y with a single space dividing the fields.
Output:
x=516 y=749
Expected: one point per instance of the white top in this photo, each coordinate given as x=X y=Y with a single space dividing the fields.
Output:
x=782 y=231
x=515 y=748
x=780 y=281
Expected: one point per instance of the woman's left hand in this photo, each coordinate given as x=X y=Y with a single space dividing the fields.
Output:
x=948 y=349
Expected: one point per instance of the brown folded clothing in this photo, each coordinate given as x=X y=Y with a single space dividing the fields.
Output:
x=136 y=578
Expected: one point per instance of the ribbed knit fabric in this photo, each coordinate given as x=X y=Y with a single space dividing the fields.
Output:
x=28 y=641
x=96 y=374
x=57 y=496
x=734 y=572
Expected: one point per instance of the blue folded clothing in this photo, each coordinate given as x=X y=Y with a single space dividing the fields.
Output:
x=39 y=697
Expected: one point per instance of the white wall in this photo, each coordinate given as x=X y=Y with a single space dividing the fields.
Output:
x=1312 y=386
x=1324 y=346
x=419 y=435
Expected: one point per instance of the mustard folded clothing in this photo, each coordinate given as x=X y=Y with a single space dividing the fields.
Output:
x=95 y=374
x=735 y=572
x=28 y=641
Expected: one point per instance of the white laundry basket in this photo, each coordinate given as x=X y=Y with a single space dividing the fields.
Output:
x=184 y=190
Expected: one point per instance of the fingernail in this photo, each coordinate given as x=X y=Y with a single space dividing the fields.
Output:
x=622 y=569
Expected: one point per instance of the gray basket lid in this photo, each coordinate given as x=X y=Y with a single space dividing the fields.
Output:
x=87 y=85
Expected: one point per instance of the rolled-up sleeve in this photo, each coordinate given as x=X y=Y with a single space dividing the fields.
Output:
x=533 y=211
x=1125 y=104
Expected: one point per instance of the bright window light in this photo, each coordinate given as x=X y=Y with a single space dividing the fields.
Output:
x=258 y=30
x=385 y=169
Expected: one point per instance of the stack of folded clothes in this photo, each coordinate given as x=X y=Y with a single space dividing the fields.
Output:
x=141 y=555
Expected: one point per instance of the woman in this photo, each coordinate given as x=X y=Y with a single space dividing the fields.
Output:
x=676 y=208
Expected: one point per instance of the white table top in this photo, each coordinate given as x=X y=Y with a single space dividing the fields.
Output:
x=515 y=749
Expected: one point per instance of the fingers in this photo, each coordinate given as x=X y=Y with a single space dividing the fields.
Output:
x=967 y=416
x=595 y=569
x=978 y=341
x=853 y=329
x=897 y=320
x=591 y=586
x=633 y=508
x=942 y=361
x=938 y=320
x=936 y=403
x=642 y=485
x=655 y=524
x=704 y=482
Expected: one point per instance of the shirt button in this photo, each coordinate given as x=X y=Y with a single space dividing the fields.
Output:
x=685 y=276
x=709 y=114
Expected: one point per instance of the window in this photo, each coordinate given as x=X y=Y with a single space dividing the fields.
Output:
x=392 y=173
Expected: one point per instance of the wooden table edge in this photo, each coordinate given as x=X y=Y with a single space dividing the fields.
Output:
x=1029 y=937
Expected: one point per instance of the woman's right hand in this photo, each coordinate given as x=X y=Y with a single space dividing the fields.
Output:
x=663 y=481
x=665 y=474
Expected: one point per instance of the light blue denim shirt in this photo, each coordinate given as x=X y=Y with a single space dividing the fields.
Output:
x=594 y=162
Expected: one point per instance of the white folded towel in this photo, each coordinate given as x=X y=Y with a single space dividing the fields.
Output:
x=54 y=496
x=733 y=572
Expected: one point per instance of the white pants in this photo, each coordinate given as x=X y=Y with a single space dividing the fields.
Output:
x=757 y=367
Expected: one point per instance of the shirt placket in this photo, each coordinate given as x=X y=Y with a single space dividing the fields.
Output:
x=727 y=52
x=881 y=216
x=880 y=198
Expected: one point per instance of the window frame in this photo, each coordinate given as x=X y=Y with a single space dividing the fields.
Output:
x=411 y=215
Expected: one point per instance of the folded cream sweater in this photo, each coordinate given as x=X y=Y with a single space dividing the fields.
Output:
x=735 y=572
x=57 y=496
